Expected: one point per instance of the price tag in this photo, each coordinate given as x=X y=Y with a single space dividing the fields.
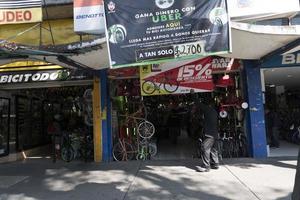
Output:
x=189 y=49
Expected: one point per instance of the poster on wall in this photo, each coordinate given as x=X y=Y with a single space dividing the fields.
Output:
x=150 y=32
x=20 y=12
x=177 y=77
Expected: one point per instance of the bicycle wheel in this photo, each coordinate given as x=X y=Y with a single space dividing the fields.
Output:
x=123 y=151
x=148 y=87
x=146 y=129
x=171 y=86
x=243 y=148
x=152 y=149
x=88 y=95
x=141 y=156
x=67 y=154
x=240 y=115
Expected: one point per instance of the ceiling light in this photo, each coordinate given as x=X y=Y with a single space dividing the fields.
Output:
x=272 y=85
x=289 y=75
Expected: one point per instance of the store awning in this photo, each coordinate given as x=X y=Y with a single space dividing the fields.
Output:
x=90 y=54
x=248 y=42
x=255 y=41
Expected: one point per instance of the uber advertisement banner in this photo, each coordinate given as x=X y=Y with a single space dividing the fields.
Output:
x=153 y=31
x=40 y=76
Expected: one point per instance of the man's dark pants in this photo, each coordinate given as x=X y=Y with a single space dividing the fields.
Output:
x=209 y=153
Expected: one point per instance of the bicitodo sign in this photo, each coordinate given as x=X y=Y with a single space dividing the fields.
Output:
x=153 y=31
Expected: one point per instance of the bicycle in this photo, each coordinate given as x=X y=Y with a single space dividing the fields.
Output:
x=169 y=85
x=146 y=150
x=67 y=150
x=125 y=150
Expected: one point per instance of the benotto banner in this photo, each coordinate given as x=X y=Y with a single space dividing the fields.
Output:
x=177 y=77
x=147 y=32
x=89 y=16
x=20 y=12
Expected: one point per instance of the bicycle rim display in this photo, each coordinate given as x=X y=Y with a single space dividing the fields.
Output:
x=148 y=87
x=146 y=129
x=123 y=151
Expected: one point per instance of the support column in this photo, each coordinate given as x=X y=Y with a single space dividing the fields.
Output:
x=97 y=120
x=106 y=117
x=255 y=119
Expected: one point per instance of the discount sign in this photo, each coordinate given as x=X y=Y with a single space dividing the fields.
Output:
x=177 y=77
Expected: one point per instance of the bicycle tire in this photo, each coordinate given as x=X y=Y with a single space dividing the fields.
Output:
x=88 y=95
x=146 y=129
x=240 y=115
x=148 y=87
x=152 y=149
x=243 y=148
x=67 y=154
x=172 y=87
x=141 y=156
x=123 y=152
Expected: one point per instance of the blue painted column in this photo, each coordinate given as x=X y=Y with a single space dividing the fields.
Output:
x=256 y=118
x=106 y=118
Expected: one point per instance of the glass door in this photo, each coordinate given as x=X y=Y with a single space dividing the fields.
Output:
x=4 y=125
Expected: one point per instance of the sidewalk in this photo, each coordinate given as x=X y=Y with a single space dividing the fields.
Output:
x=240 y=179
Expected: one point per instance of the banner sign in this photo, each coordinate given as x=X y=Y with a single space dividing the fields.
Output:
x=220 y=65
x=177 y=77
x=147 y=32
x=252 y=9
x=124 y=73
x=20 y=12
x=89 y=16
x=42 y=76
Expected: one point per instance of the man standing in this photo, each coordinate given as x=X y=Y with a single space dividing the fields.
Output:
x=209 y=154
x=296 y=192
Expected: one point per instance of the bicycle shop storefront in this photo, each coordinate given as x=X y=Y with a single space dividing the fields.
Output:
x=46 y=111
x=154 y=112
x=273 y=90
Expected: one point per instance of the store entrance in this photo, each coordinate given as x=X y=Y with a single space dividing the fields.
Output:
x=168 y=126
x=177 y=125
x=282 y=110
x=53 y=122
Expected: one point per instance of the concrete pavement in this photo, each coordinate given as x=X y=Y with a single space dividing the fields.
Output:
x=236 y=179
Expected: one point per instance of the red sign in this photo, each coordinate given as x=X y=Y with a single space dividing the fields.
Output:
x=177 y=78
x=225 y=64
x=124 y=73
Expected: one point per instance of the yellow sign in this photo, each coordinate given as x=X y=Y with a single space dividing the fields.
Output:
x=20 y=16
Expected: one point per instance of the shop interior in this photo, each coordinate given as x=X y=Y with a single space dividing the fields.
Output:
x=54 y=122
x=282 y=110
x=176 y=120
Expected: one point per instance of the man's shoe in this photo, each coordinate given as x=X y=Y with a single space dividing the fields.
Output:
x=202 y=169
x=214 y=166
